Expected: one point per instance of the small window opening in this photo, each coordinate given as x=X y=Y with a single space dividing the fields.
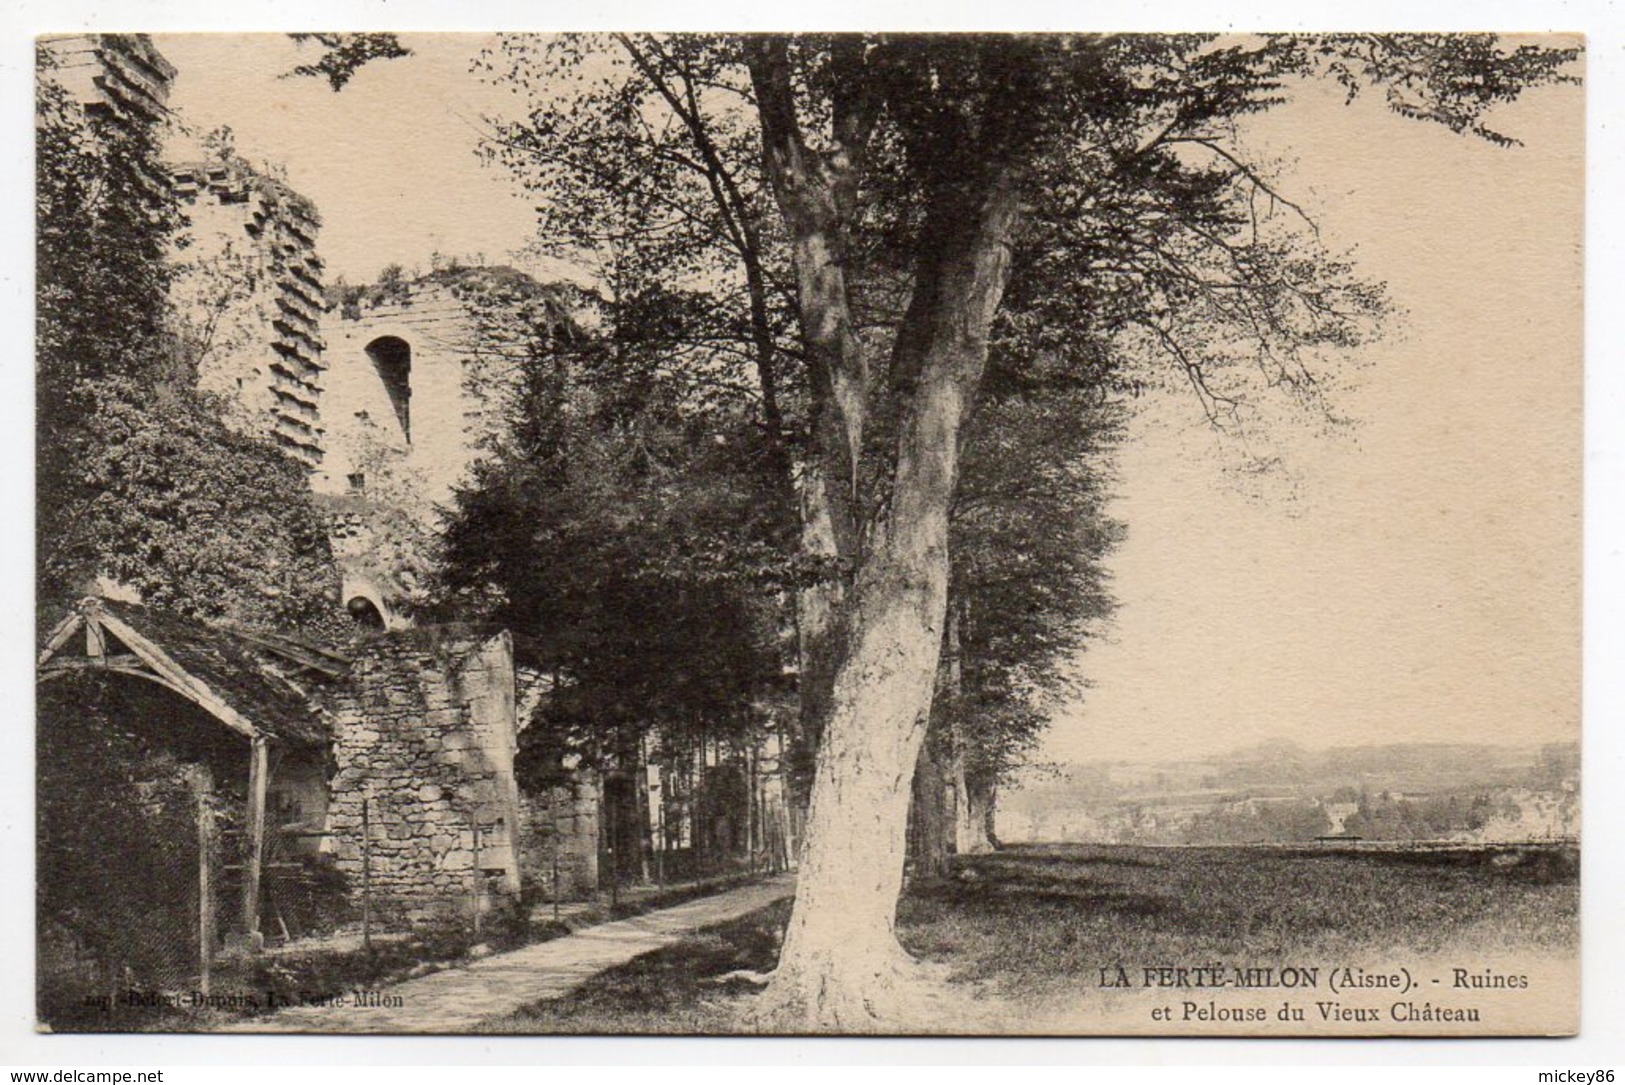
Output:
x=364 y=613
x=392 y=358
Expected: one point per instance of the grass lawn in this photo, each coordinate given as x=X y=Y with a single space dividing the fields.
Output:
x=1030 y=928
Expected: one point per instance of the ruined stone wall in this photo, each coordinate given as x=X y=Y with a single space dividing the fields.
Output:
x=565 y=818
x=424 y=459
x=421 y=374
x=248 y=290
x=466 y=332
x=423 y=733
x=383 y=557
x=248 y=297
x=120 y=74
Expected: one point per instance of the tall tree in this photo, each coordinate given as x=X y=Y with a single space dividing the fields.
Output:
x=981 y=122
x=924 y=164
x=642 y=153
x=619 y=525
x=1029 y=538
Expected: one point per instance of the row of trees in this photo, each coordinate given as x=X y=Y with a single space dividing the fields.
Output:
x=633 y=527
x=647 y=523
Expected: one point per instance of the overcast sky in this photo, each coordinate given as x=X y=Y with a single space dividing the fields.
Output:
x=1420 y=581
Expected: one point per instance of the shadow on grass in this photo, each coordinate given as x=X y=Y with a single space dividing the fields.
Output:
x=1060 y=854
x=1536 y=864
x=1022 y=894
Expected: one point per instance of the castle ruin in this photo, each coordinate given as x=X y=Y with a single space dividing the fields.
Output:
x=397 y=759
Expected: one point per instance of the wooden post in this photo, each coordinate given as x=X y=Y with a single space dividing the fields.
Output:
x=643 y=806
x=474 y=822
x=366 y=872
x=702 y=812
x=691 y=812
x=660 y=827
x=558 y=839
x=205 y=884
x=786 y=801
x=750 y=807
x=611 y=815
x=258 y=766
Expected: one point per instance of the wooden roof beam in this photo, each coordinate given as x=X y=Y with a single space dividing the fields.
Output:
x=64 y=631
x=174 y=676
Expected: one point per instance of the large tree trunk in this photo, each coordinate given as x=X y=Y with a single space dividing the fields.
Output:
x=969 y=837
x=935 y=812
x=976 y=820
x=842 y=968
x=817 y=197
x=841 y=960
x=818 y=630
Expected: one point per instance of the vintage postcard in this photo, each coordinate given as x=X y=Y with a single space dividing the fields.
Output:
x=699 y=534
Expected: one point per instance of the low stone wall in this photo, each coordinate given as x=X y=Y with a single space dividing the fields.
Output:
x=424 y=737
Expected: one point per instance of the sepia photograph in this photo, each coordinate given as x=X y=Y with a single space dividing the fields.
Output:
x=712 y=534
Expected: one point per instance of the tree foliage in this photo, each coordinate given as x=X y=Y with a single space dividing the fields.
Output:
x=343 y=55
x=619 y=527
x=104 y=219
x=1030 y=536
x=647 y=166
x=642 y=156
x=196 y=519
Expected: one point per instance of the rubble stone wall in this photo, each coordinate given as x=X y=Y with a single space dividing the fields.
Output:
x=562 y=819
x=424 y=737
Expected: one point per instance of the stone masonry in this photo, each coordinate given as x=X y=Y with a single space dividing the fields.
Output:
x=248 y=292
x=422 y=374
x=250 y=296
x=120 y=76
x=560 y=824
x=423 y=735
x=419 y=380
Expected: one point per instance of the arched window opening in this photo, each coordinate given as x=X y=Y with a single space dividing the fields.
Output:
x=392 y=358
x=364 y=613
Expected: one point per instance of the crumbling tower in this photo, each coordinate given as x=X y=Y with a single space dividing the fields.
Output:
x=424 y=374
x=120 y=76
x=250 y=298
x=248 y=293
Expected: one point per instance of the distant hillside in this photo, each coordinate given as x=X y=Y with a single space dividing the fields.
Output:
x=1279 y=791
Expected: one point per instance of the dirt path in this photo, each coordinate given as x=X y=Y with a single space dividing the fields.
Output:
x=455 y=1000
